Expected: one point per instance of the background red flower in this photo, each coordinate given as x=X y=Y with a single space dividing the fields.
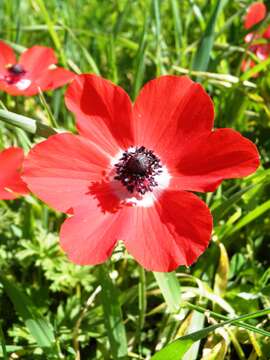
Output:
x=256 y=12
x=35 y=69
x=11 y=184
x=129 y=172
x=257 y=43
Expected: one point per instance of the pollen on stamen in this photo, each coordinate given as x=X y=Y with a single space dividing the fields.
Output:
x=137 y=170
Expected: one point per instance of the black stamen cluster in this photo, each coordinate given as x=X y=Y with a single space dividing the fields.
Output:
x=16 y=69
x=137 y=169
x=15 y=72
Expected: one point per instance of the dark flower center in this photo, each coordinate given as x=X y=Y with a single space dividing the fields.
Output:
x=16 y=69
x=137 y=169
x=15 y=73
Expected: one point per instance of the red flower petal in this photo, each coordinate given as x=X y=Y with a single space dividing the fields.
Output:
x=256 y=12
x=213 y=157
x=14 y=91
x=169 y=111
x=263 y=51
x=250 y=38
x=37 y=59
x=7 y=56
x=173 y=232
x=61 y=169
x=52 y=79
x=89 y=236
x=103 y=112
x=11 y=184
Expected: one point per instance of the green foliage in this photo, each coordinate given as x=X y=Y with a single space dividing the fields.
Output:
x=53 y=309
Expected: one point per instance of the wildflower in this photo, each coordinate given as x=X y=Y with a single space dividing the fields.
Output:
x=256 y=12
x=258 y=44
x=35 y=69
x=11 y=184
x=129 y=173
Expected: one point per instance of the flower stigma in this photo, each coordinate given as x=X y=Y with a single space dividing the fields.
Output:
x=137 y=170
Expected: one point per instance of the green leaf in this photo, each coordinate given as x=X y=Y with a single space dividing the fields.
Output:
x=170 y=289
x=177 y=348
x=27 y=124
x=196 y=323
x=202 y=55
x=174 y=351
x=112 y=315
x=38 y=326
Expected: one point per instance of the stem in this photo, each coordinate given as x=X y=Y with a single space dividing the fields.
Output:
x=43 y=101
x=3 y=343
x=226 y=318
x=142 y=304
x=112 y=315
x=76 y=330
x=27 y=124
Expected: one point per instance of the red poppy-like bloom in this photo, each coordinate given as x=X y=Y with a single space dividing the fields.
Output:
x=258 y=44
x=35 y=69
x=128 y=174
x=256 y=12
x=11 y=184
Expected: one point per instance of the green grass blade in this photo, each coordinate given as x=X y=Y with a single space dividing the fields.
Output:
x=156 y=5
x=264 y=65
x=121 y=19
x=139 y=65
x=3 y=343
x=142 y=305
x=38 y=326
x=179 y=347
x=86 y=54
x=170 y=289
x=112 y=60
x=251 y=216
x=112 y=315
x=177 y=28
x=46 y=106
x=51 y=29
x=196 y=323
x=219 y=211
x=224 y=317
x=202 y=55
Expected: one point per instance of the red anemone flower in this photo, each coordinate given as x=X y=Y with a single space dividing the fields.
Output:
x=257 y=43
x=256 y=12
x=35 y=69
x=128 y=174
x=11 y=184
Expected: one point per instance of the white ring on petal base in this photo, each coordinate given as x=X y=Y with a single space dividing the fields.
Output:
x=137 y=199
x=23 y=84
